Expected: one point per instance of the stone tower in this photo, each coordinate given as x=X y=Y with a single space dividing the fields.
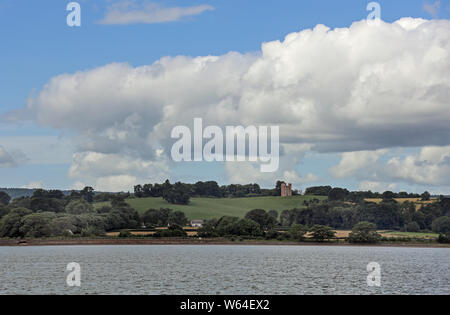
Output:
x=286 y=190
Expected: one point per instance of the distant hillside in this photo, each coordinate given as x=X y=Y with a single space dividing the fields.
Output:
x=23 y=192
x=208 y=208
x=18 y=192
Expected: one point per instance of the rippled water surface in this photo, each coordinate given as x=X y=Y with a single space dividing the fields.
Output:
x=223 y=270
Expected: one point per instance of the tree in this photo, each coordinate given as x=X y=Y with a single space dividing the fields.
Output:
x=412 y=227
x=151 y=217
x=88 y=194
x=265 y=220
x=3 y=211
x=176 y=194
x=318 y=190
x=79 y=206
x=278 y=187
x=46 y=204
x=173 y=231
x=226 y=225
x=11 y=223
x=37 y=225
x=388 y=195
x=138 y=191
x=65 y=225
x=177 y=218
x=274 y=214
x=441 y=225
x=407 y=210
x=364 y=232
x=4 y=198
x=425 y=196
x=208 y=229
x=338 y=194
x=247 y=227
x=298 y=231
x=386 y=215
x=321 y=233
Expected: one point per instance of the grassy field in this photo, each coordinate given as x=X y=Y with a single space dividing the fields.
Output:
x=410 y=234
x=208 y=208
x=397 y=234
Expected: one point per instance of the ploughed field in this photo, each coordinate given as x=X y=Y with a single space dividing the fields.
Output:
x=209 y=208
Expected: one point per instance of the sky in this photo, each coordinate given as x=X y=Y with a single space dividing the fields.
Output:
x=359 y=105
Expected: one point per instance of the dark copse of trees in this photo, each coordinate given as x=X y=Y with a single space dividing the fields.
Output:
x=318 y=190
x=388 y=214
x=258 y=223
x=265 y=220
x=179 y=193
x=51 y=213
x=174 y=230
x=231 y=226
x=4 y=198
x=355 y=196
x=364 y=232
x=163 y=217
x=321 y=233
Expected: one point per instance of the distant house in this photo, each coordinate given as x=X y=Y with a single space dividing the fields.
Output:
x=197 y=223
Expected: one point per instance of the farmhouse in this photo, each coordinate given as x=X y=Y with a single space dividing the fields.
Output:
x=197 y=223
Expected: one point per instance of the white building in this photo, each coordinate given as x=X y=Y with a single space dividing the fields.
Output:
x=197 y=223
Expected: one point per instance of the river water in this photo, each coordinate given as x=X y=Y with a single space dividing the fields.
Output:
x=246 y=270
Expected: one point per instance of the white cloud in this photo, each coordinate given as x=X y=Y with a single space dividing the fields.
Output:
x=121 y=183
x=377 y=186
x=355 y=162
x=129 y=12
x=430 y=167
x=360 y=88
x=6 y=160
x=113 y=172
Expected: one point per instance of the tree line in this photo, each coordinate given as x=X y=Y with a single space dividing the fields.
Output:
x=337 y=193
x=51 y=213
x=180 y=193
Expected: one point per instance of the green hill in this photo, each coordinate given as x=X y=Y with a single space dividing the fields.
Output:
x=208 y=208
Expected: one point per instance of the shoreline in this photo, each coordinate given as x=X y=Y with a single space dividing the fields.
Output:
x=198 y=242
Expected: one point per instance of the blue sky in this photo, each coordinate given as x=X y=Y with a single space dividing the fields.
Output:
x=37 y=45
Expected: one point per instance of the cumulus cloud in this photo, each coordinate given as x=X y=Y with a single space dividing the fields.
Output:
x=113 y=172
x=130 y=12
x=359 y=88
x=355 y=162
x=430 y=167
x=6 y=160
x=377 y=186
